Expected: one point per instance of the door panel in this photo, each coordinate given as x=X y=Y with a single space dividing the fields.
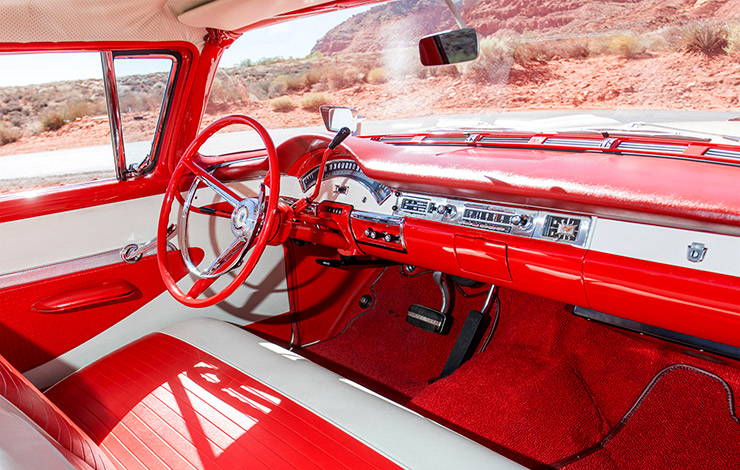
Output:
x=30 y=335
x=80 y=249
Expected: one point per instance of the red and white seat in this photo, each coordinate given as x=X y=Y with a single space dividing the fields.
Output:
x=207 y=394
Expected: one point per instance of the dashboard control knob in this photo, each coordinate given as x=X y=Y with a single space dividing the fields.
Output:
x=450 y=210
x=370 y=233
x=390 y=238
x=520 y=220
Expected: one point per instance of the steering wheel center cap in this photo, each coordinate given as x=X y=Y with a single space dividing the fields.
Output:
x=244 y=218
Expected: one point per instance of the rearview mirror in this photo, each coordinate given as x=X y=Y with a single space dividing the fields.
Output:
x=450 y=47
x=336 y=117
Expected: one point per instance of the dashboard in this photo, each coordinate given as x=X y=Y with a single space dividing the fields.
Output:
x=678 y=279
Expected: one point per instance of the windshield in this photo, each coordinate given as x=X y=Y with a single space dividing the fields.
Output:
x=543 y=66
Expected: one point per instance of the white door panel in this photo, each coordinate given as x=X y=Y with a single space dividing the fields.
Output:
x=65 y=238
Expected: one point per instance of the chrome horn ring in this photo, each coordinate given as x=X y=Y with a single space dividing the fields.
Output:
x=245 y=223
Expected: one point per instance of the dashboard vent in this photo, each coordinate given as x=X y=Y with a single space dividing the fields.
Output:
x=396 y=140
x=643 y=147
x=722 y=153
x=573 y=142
x=504 y=140
x=440 y=138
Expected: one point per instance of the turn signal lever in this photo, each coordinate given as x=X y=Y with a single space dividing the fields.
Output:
x=301 y=204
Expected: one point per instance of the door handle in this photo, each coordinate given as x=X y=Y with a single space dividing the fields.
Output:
x=133 y=252
x=86 y=297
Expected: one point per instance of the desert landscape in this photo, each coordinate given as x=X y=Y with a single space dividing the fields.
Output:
x=541 y=54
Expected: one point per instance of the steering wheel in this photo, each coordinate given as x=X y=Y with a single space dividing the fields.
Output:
x=252 y=218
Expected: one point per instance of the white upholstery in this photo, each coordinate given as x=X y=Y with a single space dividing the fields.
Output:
x=23 y=445
x=401 y=435
x=93 y=20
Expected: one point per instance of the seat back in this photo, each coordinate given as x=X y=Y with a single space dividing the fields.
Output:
x=62 y=433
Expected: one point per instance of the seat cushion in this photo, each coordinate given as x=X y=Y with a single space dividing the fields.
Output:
x=206 y=394
x=20 y=399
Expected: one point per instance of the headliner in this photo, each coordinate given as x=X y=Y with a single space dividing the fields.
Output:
x=25 y=21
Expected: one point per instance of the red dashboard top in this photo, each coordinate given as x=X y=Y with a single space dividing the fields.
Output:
x=636 y=187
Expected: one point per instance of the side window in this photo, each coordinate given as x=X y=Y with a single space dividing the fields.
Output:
x=55 y=116
x=142 y=84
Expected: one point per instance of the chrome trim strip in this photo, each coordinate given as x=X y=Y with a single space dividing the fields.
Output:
x=60 y=269
x=376 y=217
x=146 y=165
x=535 y=228
x=114 y=114
x=722 y=153
x=652 y=147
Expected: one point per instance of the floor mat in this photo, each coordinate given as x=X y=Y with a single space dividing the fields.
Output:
x=549 y=385
x=382 y=347
x=662 y=430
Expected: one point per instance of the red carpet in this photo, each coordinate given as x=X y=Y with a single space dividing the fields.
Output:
x=549 y=385
x=663 y=430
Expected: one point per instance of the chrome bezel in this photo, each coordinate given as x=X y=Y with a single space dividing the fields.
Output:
x=534 y=228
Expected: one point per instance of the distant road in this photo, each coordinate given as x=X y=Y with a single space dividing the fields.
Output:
x=59 y=163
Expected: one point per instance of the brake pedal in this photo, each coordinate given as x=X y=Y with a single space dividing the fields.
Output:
x=429 y=319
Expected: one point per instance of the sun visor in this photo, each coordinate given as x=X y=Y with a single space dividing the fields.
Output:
x=231 y=15
x=93 y=21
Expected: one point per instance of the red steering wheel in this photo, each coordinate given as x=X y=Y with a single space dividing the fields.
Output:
x=252 y=219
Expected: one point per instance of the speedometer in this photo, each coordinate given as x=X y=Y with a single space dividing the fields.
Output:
x=345 y=169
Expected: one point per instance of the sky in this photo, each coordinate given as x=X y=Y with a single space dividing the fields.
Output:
x=290 y=39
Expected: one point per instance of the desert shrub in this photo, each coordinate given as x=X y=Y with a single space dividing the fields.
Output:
x=376 y=76
x=78 y=109
x=495 y=57
x=628 y=46
x=52 y=121
x=705 y=38
x=314 y=75
x=527 y=52
x=447 y=71
x=576 y=48
x=282 y=105
x=733 y=38
x=296 y=82
x=312 y=101
x=339 y=78
x=278 y=86
x=9 y=134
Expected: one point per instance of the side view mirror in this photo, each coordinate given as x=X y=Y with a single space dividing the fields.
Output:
x=449 y=47
x=337 y=117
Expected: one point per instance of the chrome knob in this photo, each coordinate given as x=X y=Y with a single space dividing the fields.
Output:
x=370 y=233
x=519 y=219
x=389 y=238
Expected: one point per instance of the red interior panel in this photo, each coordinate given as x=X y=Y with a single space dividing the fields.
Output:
x=693 y=302
x=483 y=257
x=30 y=336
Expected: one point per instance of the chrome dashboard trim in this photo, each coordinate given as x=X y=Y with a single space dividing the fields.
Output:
x=454 y=211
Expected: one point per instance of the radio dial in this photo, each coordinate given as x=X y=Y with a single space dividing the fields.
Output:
x=520 y=220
